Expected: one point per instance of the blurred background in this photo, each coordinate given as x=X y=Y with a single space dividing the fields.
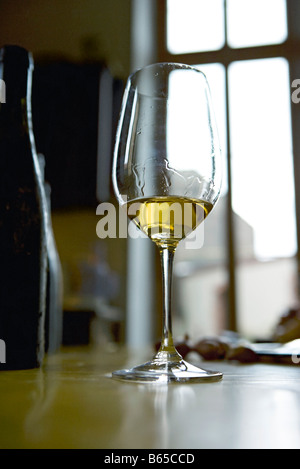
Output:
x=245 y=277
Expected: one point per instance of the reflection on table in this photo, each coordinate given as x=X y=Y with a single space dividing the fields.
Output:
x=73 y=403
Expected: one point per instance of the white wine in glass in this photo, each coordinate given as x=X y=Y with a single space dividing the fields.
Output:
x=167 y=176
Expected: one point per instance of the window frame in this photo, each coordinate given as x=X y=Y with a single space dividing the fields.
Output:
x=290 y=50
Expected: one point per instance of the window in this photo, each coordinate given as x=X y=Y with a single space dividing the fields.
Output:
x=256 y=22
x=195 y=25
x=261 y=149
x=245 y=276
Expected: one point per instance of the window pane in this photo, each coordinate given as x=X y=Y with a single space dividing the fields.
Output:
x=195 y=25
x=263 y=191
x=200 y=275
x=256 y=22
x=261 y=146
x=215 y=74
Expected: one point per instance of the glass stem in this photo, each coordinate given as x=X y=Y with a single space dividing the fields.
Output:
x=167 y=349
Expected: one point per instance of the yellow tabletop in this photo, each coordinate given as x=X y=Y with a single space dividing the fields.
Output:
x=73 y=403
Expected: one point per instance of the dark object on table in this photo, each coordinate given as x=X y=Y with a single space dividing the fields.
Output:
x=242 y=354
x=288 y=327
x=211 y=349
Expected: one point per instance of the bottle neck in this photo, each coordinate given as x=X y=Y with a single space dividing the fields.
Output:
x=15 y=112
x=17 y=91
x=17 y=146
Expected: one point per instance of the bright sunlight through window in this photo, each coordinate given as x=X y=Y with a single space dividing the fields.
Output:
x=195 y=25
x=256 y=22
x=262 y=162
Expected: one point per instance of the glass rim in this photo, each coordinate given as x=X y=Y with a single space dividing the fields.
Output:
x=173 y=66
x=169 y=67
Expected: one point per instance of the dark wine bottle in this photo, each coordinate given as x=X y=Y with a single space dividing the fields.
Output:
x=23 y=220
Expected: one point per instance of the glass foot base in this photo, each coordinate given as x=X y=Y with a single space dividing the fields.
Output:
x=166 y=372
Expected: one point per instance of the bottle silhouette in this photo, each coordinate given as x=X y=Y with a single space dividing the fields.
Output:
x=23 y=220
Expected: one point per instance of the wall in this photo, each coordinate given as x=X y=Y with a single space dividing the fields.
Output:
x=75 y=29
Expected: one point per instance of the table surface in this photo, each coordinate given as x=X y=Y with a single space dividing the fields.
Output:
x=72 y=402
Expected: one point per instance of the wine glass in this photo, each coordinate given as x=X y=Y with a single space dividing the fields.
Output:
x=167 y=175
